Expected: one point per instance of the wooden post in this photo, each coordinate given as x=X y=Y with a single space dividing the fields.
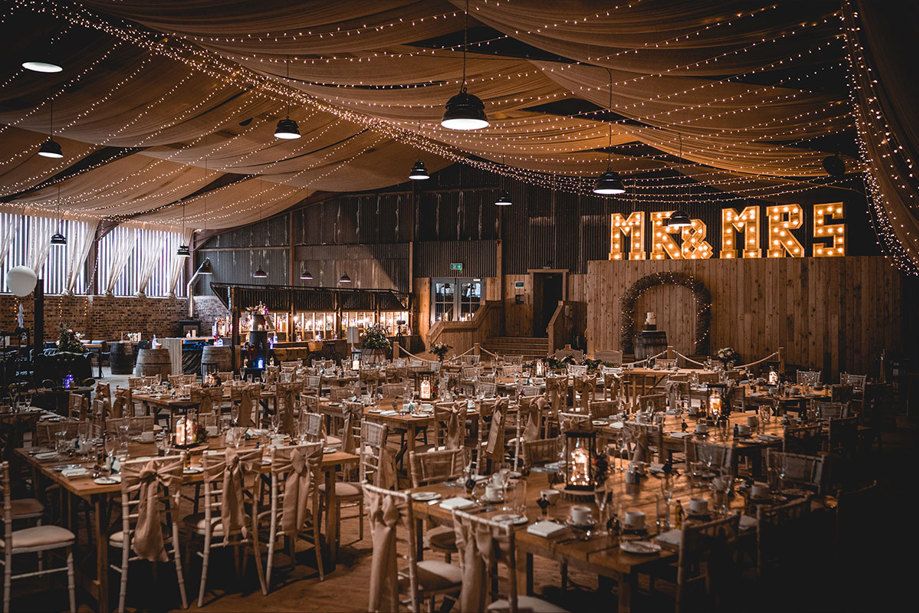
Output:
x=395 y=350
x=781 y=360
x=234 y=323
x=670 y=355
x=477 y=349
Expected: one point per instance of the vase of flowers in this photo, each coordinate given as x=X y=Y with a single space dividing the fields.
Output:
x=376 y=341
x=727 y=356
x=68 y=341
x=440 y=350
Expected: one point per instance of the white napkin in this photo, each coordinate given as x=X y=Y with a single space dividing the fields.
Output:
x=74 y=472
x=457 y=503
x=545 y=528
x=680 y=434
x=747 y=522
x=768 y=437
x=670 y=539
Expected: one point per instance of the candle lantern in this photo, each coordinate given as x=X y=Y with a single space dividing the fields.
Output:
x=356 y=364
x=580 y=445
x=773 y=377
x=187 y=431
x=540 y=368
x=426 y=388
x=715 y=403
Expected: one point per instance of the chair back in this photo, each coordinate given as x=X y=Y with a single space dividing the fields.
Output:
x=136 y=425
x=437 y=466
x=808 y=377
x=45 y=431
x=642 y=440
x=7 y=501
x=311 y=427
x=390 y=515
x=146 y=515
x=484 y=545
x=843 y=436
x=372 y=445
x=602 y=408
x=803 y=439
x=654 y=402
x=539 y=452
x=719 y=457
x=295 y=478
x=795 y=469
x=396 y=390
x=230 y=480
x=708 y=545
x=830 y=410
x=78 y=406
x=180 y=380
x=856 y=381
x=780 y=530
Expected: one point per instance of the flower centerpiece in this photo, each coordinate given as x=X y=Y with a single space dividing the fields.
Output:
x=69 y=341
x=727 y=356
x=440 y=350
x=257 y=315
x=375 y=340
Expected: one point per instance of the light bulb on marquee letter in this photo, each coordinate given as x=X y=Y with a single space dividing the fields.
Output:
x=662 y=244
x=783 y=218
x=634 y=228
x=835 y=232
x=695 y=247
x=732 y=223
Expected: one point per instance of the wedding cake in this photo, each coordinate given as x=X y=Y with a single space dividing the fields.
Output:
x=650 y=321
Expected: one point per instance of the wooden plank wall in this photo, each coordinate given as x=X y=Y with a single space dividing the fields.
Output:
x=829 y=313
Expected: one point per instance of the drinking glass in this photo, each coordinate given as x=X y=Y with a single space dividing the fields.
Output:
x=602 y=494
x=275 y=422
x=520 y=498
x=60 y=441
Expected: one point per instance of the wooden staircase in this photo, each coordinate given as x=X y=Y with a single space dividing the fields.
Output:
x=514 y=345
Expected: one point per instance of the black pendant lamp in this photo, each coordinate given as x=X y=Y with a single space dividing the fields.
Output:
x=504 y=199
x=305 y=275
x=58 y=237
x=206 y=268
x=287 y=127
x=464 y=111
x=419 y=172
x=344 y=278
x=51 y=148
x=259 y=273
x=183 y=251
x=609 y=183
x=679 y=218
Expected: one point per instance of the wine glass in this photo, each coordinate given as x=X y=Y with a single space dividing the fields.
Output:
x=602 y=494
x=109 y=444
x=275 y=422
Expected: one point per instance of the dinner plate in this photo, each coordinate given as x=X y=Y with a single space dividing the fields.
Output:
x=600 y=422
x=46 y=455
x=329 y=450
x=193 y=470
x=425 y=496
x=513 y=518
x=107 y=480
x=639 y=547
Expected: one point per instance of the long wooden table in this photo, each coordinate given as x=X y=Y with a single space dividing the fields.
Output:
x=598 y=554
x=103 y=498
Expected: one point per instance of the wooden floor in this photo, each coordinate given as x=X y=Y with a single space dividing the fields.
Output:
x=871 y=571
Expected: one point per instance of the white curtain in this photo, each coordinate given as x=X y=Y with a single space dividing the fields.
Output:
x=122 y=247
x=151 y=249
x=78 y=244
x=7 y=233
x=41 y=229
x=177 y=265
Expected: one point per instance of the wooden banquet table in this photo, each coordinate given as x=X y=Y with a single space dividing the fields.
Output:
x=103 y=498
x=600 y=554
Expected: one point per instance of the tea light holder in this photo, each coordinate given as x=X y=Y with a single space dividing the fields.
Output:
x=184 y=431
x=426 y=388
x=773 y=377
x=580 y=447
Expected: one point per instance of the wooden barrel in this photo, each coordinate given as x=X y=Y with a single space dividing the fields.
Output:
x=152 y=362
x=121 y=358
x=216 y=359
x=650 y=342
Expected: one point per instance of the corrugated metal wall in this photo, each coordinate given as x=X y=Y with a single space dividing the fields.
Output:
x=433 y=259
x=237 y=265
x=380 y=266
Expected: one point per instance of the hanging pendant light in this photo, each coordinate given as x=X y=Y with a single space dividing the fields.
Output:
x=183 y=251
x=609 y=183
x=504 y=199
x=287 y=127
x=45 y=65
x=259 y=273
x=419 y=172
x=206 y=268
x=679 y=218
x=344 y=278
x=305 y=275
x=464 y=111
x=51 y=148
x=58 y=237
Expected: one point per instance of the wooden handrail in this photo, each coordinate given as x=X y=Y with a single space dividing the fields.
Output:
x=463 y=335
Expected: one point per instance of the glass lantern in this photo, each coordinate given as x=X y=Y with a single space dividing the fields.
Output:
x=185 y=431
x=426 y=388
x=580 y=446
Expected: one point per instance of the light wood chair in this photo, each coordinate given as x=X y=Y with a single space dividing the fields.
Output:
x=830 y=410
x=539 y=452
x=808 y=377
x=472 y=531
x=209 y=525
x=281 y=470
x=656 y=402
x=37 y=539
x=180 y=380
x=418 y=581
x=797 y=470
x=780 y=531
x=803 y=439
x=167 y=472
x=436 y=467
x=136 y=425
x=714 y=456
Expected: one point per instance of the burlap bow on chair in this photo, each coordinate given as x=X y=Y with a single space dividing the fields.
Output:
x=241 y=470
x=532 y=409
x=123 y=401
x=245 y=394
x=585 y=386
x=456 y=427
x=205 y=403
x=147 y=541
x=480 y=547
x=286 y=396
x=494 y=448
x=557 y=390
x=384 y=514
x=298 y=463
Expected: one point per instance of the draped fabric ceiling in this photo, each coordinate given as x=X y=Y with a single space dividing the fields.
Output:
x=171 y=105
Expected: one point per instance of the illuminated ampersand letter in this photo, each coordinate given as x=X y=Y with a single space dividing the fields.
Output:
x=732 y=223
x=835 y=232
x=695 y=247
x=634 y=228
x=783 y=218
x=662 y=244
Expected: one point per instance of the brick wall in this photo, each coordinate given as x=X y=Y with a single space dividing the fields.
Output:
x=208 y=309
x=99 y=317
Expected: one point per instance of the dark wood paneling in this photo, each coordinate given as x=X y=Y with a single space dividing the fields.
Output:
x=433 y=259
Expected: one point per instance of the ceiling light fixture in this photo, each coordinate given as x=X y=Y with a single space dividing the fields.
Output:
x=305 y=275
x=679 y=218
x=504 y=199
x=464 y=111
x=609 y=183
x=419 y=172
x=51 y=148
x=287 y=127
x=344 y=278
x=259 y=273
x=41 y=66
x=58 y=237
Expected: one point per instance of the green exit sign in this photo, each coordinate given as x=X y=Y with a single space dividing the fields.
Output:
x=456 y=266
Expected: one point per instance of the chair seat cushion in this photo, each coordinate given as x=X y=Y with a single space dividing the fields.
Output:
x=26 y=507
x=435 y=576
x=344 y=489
x=528 y=604
x=441 y=537
x=49 y=537
x=198 y=523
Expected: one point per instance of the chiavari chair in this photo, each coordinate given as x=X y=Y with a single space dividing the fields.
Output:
x=796 y=469
x=779 y=531
x=436 y=467
x=803 y=439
